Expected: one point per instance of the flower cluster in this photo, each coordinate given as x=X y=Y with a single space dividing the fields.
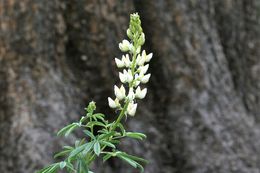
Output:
x=134 y=69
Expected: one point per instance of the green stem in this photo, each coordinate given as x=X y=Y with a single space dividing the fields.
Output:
x=121 y=115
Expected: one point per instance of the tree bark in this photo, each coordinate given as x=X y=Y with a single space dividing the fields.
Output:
x=201 y=113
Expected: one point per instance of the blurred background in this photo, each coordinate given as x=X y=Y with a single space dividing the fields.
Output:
x=201 y=114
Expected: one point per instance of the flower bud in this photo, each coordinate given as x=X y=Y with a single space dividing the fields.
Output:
x=131 y=109
x=140 y=93
x=124 y=46
x=142 y=39
x=129 y=34
x=119 y=63
x=120 y=93
x=145 y=78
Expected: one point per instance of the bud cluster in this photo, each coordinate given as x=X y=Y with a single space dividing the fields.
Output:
x=134 y=69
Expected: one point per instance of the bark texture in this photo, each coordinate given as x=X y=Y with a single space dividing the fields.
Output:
x=201 y=114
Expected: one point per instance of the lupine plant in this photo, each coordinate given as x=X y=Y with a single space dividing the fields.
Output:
x=101 y=137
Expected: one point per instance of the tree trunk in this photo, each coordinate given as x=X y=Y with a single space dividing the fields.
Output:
x=201 y=113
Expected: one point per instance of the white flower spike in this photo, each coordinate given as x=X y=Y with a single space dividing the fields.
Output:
x=134 y=71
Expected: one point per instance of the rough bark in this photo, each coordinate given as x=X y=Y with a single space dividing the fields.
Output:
x=201 y=113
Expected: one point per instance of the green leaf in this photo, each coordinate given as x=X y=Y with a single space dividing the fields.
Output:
x=134 y=158
x=62 y=153
x=95 y=123
x=89 y=134
x=49 y=169
x=131 y=162
x=77 y=150
x=121 y=128
x=107 y=135
x=97 y=148
x=88 y=147
x=135 y=135
x=70 y=167
x=107 y=156
x=114 y=141
x=106 y=143
x=99 y=116
x=65 y=131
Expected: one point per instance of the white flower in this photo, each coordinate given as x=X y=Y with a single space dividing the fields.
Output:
x=143 y=69
x=140 y=60
x=124 y=46
x=129 y=76
x=145 y=78
x=131 y=94
x=126 y=76
x=111 y=103
x=131 y=109
x=122 y=77
x=119 y=63
x=140 y=93
x=126 y=60
x=120 y=93
x=149 y=57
